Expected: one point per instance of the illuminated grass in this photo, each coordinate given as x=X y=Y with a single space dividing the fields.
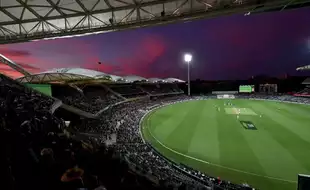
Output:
x=203 y=135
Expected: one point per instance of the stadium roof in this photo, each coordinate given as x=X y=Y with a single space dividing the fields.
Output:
x=173 y=80
x=79 y=71
x=307 y=67
x=69 y=74
x=116 y=78
x=24 y=20
x=155 y=79
x=51 y=77
x=133 y=78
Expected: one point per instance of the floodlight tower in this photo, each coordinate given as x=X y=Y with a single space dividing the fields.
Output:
x=188 y=59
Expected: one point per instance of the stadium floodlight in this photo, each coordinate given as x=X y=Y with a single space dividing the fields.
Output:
x=188 y=59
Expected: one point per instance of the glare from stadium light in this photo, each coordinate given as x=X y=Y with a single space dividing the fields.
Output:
x=188 y=58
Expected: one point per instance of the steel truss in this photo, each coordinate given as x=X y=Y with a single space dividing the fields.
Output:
x=24 y=20
x=13 y=65
x=51 y=77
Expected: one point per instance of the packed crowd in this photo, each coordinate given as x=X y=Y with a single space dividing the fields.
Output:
x=281 y=98
x=128 y=90
x=124 y=127
x=161 y=88
x=121 y=123
x=90 y=99
x=41 y=152
x=93 y=98
x=26 y=127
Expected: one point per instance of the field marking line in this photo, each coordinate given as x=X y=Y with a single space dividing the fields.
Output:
x=217 y=165
x=203 y=161
x=197 y=159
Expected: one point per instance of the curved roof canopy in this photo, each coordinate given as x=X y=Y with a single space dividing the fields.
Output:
x=173 y=80
x=51 y=77
x=116 y=78
x=155 y=79
x=24 y=20
x=307 y=67
x=133 y=78
x=69 y=74
x=79 y=71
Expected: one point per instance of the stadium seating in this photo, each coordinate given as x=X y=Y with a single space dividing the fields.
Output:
x=40 y=152
x=161 y=88
x=285 y=98
x=128 y=90
x=305 y=92
x=92 y=99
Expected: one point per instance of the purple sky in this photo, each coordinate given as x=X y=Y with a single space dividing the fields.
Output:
x=230 y=47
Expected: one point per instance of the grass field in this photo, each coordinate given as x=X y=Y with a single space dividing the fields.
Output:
x=263 y=143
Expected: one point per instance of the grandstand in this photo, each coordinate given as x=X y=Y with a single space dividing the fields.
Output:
x=75 y=128
x=115 y=130
x=77 y=97
x=84 y=90
x=306 y=91
x=72 y=90
x=98 y=119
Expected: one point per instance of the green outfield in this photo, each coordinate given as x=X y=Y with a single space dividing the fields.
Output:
x=263 y=143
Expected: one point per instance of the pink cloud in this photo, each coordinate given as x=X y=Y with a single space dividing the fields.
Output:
x=21 y=57
x=146 y=52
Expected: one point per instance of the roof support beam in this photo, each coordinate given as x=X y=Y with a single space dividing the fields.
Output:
x=101 y=16
x=23 y=11
x=127 y=7
x=55 y=6
x=9 y=14
x=82 y=6
x=24 y=4
x=13 y=65
x=109 y=4
x=98 y=1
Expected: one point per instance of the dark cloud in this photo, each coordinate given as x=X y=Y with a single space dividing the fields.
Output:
x=13 y=52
